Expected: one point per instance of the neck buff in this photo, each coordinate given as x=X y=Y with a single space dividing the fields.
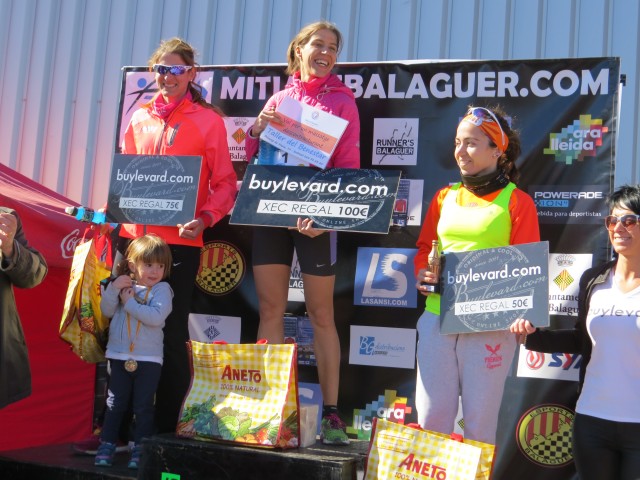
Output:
x=485 y=184
x=490 y=128
x=163 y=109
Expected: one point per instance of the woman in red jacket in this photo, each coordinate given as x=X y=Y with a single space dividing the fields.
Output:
x=178 y=121
x=312 y=55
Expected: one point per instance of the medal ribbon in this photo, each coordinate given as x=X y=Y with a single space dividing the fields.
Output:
x=132 y=344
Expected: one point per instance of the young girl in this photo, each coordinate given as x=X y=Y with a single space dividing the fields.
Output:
x=138 y=302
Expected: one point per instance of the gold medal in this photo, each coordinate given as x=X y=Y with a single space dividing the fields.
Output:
x=131 y=365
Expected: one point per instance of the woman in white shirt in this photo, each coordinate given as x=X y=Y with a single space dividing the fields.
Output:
x=606 y=428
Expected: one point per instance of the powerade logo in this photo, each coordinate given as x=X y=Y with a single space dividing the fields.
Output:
x=569 y=203
x=387 y=406
x=577 y=141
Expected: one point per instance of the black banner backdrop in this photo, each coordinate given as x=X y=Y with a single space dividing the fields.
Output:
x=567 y=113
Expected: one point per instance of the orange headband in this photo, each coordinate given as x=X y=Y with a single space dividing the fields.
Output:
x=487 y=122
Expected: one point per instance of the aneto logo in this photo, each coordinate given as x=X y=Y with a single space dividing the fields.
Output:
x=557 y=366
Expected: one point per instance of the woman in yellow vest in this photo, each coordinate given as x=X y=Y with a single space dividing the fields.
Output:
x=484 y=210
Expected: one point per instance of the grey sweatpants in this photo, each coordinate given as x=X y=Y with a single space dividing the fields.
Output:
x=472 y=365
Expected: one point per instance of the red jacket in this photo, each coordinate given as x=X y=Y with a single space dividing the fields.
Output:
x=194 y=130
x=331 y=95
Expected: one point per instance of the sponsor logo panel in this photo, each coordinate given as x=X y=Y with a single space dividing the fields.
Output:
x=388 y=406
x=407 y=211
x=395 y=141
x=298 y=330
x=543 y=435
x=237 y=128
x=552 y=366
x=222 y=268
x=296 y=284
x=211 y=328
x=382 y=346
x=384 y=278
x=570 y=203
x=578 y=140
x=565 y=270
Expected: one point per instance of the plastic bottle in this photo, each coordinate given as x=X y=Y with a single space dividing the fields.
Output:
x=433 y=265
x=86 y=214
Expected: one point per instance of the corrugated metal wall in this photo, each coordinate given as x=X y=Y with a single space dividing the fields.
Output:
x=60 y=59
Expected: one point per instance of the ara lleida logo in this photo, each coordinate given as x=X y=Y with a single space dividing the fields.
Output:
x=387 y=406
x=576 y=141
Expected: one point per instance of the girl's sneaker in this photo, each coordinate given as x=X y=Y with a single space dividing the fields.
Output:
x=136 y=453
x=89 y=445
x=332 y=430
x=106 y=452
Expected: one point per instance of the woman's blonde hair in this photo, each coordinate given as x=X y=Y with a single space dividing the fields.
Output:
x=303 y=37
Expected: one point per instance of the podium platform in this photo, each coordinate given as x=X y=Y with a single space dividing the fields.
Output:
x=166 y=457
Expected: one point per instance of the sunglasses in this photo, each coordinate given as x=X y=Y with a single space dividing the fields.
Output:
x=628 y=221
x=484 y=115
x=172 y=69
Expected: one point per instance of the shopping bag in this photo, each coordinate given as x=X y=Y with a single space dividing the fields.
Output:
x=406 y=451
x=82 y=324
x=242 y=393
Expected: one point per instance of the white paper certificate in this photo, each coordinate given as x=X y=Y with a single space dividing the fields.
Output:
x=308 y=133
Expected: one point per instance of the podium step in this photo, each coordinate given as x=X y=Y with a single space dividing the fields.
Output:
x=60 y=462
x=166 y=457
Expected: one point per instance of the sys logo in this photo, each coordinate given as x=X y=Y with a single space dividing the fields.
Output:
x=558 y=366
x=577 y=140
x=384 y=278
x=388 y=406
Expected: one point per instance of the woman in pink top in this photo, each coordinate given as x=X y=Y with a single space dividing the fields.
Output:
x=312 y=55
